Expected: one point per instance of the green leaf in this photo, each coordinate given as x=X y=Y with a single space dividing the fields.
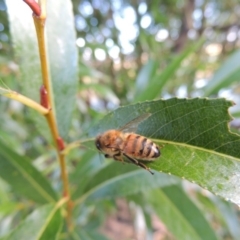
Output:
x=197 y=144
x=63 y=59
x=7 y=206
x=23 y=177
x=88 y=164
x=25 y=46
x=62 y=54
x=86 y=168
x=117 y=180
x=181 y=216
x=84 y=235
x=191 y=213
x=217 y=172
x=43 y=223
x=230 y=216
x=227 y=74
x=154 y=87
x=145 y=75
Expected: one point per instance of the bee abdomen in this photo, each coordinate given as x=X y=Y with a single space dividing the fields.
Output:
x=149 y=149
x=141 y=147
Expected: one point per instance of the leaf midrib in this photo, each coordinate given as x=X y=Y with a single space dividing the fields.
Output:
x=48 y=220
x=197 y=148
x=30 y=179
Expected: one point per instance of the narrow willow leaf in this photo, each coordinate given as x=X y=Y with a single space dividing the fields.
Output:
x=197 y=144
x=154 y=88
x=145 y=75
x=87 y=235
x=121 y=180
x=43 y=223
x=176 y=221
x=88 y=165
x=62 y=54
x=25 y=46
x=7 y=206
x=189 y=210
x=23 y=177
x=230 y=216
x=63 y=59
x=227 y=74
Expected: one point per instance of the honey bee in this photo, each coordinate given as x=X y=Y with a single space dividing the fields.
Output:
x=123 y=142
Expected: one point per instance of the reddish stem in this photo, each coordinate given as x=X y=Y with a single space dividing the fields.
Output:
x=34 y=6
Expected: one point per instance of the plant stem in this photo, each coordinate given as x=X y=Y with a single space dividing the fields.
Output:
x=39 y=22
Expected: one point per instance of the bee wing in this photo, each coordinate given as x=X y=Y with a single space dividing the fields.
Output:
x=133 y=124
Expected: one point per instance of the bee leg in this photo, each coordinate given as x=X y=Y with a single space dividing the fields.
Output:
x=118 y=157
x=107 y=156
x=136 y=162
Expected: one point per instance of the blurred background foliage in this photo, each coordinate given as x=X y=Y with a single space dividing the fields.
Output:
x=130 y=51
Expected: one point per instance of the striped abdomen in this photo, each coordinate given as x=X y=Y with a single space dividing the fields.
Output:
x=140 y=147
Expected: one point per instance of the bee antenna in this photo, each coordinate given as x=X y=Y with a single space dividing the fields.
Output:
x=151 y=172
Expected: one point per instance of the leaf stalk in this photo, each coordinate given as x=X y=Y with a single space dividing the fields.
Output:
x=25 y=100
